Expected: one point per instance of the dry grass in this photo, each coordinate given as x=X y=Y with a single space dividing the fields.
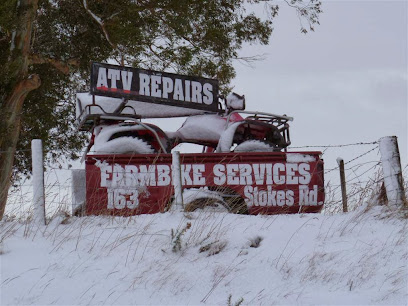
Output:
x=204 y=234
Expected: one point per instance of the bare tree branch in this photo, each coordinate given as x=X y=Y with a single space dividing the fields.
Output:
x=101 y=24
x=306 y=12
x=113 y=15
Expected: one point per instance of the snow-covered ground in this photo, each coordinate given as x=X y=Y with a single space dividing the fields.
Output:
x=211 y=258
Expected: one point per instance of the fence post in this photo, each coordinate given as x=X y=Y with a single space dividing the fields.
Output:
x=78 y=179
x=391 y=164
x=38 y=181
x=340 y=162
x=176 y=173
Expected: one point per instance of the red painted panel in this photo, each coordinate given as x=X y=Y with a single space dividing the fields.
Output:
x=270 y=183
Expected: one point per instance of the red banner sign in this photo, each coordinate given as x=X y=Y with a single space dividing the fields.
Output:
x=269 y=183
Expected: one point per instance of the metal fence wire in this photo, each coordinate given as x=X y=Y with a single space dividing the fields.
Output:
x=363 y=181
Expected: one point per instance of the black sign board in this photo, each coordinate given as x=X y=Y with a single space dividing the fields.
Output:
x=154 y=87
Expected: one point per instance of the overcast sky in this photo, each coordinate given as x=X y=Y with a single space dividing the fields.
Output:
x=344 y=83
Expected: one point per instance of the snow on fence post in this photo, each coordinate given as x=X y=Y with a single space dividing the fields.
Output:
x=38 y=181
x=176 y=173
x=78 y=178
x=391 y=164
x=340 y=162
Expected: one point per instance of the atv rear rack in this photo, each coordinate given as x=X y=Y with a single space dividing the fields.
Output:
x=89 y=118
x=90 y=108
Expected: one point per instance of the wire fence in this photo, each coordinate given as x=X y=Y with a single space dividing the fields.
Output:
x=362 y=165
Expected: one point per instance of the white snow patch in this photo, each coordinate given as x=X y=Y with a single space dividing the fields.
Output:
x=353 y=258
x=204 y=127
x=253 y=146
x=299 y=158
x=235 y=101
x=391 y=165
x=192 y=194
x=123 y=145
x=227 y=136
x=119 y=145
x=78 y=178
x=143 y=109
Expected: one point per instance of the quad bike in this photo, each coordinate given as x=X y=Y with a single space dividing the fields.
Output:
x=231 y=129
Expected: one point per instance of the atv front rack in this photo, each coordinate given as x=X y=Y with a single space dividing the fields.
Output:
x=262 y=116
x=279 y=121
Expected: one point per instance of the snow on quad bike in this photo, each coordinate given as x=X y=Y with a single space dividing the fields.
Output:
x=220 y=132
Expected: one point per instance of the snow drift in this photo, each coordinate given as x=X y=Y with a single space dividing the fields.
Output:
x=207 y=257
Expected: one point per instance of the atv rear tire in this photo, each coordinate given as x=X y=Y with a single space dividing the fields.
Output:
x=202 y=203
x=231 y=200
x=125 y=145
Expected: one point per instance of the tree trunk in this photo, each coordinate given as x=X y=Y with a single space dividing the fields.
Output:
x=12 y=106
